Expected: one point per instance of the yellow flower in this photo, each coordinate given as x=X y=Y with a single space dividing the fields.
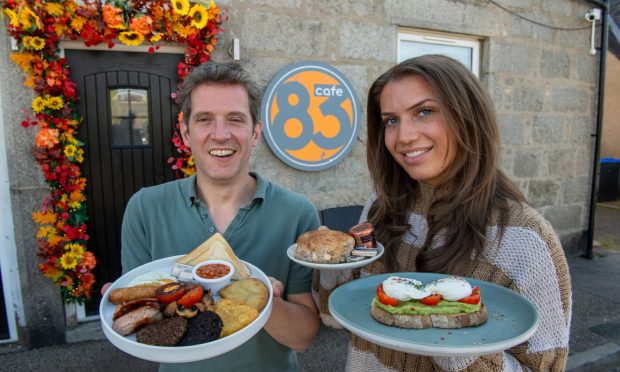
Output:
x=55 y=103
x=214 y=11
x=43 y=218
x=68 y=261
x=28 y=18
x=199 y=16
x=74 y=249
x=181 y=30
x=44 y=231
x=54 y=9
x=180 y=6
x=131 y=38
x=38 y=104
x=14 y=21
x=79 y=156
x=70 y=151
x=155 y=38
x=24 y=60
x=191 y=162
x=33 y=42
x=77 y=23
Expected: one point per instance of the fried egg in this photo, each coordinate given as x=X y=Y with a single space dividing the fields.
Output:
x=451 y=288
x=404 y=289
x=154 y=277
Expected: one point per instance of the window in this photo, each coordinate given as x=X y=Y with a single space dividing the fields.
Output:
x=413 y=43
x=129 y=109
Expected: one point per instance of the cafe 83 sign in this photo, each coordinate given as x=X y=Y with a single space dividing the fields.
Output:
x=310 y=116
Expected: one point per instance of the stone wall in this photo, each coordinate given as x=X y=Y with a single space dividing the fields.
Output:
x=542 y=79
x=543 y=82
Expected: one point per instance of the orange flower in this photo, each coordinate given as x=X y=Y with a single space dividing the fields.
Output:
x=113 y=17
x=88 y=261
x=47 y=138
x=141 y=25
x=43 y=218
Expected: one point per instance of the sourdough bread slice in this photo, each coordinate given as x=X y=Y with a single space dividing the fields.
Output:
x=427 y=321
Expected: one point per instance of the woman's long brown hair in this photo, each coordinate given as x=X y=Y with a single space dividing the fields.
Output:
x=475 y=186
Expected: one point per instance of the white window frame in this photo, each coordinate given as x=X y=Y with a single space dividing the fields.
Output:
x=440 y=38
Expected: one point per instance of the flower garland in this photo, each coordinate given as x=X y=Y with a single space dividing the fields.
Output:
x=38 y=26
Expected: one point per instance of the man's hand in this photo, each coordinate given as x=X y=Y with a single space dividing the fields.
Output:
x=277 y=286
x=294 y=322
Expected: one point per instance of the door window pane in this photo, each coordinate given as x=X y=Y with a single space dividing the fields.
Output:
x=417 y=43
x=130 y=117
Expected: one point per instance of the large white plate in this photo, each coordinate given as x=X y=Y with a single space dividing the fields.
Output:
x=512 y=320
x=340 y=266
x=177 y=354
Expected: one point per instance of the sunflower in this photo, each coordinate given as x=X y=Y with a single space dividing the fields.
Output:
x=74 y=249
x=70 y=151
x=38 y=104
x=14 y=21
x=54 y=9
x=33 y=42
x=55 y=103
x=131 y=38
x=68 y=261
x=199 y=16
x=28 y=18
x=180 y=6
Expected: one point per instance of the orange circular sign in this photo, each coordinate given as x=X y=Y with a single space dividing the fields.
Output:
x=310 y=116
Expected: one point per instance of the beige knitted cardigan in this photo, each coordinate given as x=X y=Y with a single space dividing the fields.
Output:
x=529 y=260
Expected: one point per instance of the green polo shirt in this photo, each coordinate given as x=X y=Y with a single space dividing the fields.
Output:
x=169 y=219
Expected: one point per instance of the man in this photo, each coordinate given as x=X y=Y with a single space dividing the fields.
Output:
x=259 y=219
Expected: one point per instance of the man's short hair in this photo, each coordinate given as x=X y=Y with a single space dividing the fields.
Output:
x=219 y=73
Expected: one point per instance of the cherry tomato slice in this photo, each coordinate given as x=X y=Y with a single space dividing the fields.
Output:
x=194 y=295
x=431 y=300
x=170 y=292
x=473 y=299
x=385 y=299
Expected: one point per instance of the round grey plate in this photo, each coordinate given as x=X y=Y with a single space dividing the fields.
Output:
x=512 y=320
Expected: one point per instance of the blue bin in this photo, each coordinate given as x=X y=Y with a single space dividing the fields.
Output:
x=608 y=179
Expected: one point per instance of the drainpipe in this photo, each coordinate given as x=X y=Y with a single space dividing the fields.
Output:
x=604 y=5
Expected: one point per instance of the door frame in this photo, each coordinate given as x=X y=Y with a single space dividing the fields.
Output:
x=76 y=313
x=8 y=250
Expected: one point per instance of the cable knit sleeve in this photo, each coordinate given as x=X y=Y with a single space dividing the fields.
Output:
x=529 y=260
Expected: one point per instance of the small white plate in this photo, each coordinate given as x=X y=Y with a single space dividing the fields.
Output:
x=178 y=354
x=340 y=266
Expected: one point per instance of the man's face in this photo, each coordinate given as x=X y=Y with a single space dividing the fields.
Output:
x=220 y=132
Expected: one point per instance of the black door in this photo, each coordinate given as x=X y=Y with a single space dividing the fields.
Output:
x=129 y=119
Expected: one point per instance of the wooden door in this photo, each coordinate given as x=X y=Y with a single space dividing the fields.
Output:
x=129 y=119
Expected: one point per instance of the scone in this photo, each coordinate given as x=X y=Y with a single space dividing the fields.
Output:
x=324 y=246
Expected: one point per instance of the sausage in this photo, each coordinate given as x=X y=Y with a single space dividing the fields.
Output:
x=122 y=295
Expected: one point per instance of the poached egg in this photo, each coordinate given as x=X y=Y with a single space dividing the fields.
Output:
x=405 y=289
x=451 y=288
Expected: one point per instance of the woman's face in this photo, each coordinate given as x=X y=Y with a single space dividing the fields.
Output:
x=416 y=133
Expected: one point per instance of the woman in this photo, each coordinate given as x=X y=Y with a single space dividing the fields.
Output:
x=442 y=205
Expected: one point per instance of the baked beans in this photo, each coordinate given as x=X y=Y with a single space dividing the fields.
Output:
x=212 y=271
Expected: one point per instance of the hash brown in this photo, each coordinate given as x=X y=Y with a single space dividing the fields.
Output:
x=252 y=292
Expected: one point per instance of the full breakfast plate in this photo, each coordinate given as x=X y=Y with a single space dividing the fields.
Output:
x=512 y=319
x=178 y=354
x=336 y=266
